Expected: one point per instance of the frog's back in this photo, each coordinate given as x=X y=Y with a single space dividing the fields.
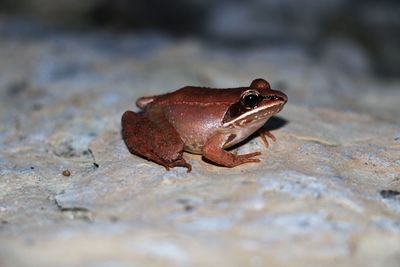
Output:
x=193 y=96
x=203 y=96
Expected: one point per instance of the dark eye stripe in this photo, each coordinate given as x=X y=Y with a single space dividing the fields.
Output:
x=248 y=100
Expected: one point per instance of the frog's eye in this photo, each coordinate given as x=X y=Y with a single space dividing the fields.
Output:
x=250 y=99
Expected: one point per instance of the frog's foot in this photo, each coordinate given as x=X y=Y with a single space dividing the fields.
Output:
x=167 y=165
x=264 y=134
x=155 y=140
x=246 y=158
x=181 y=163
x=213 y=151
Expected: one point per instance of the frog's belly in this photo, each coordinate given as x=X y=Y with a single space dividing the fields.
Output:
x=196 y=133
x=195 y=122
x=194 y=141
x=194 y=147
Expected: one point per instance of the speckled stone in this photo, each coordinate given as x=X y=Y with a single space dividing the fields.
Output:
x=325 y=194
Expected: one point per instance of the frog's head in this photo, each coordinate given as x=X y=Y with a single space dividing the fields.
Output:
x=256 y=104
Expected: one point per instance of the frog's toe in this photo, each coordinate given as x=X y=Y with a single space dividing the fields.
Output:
x=181 y=163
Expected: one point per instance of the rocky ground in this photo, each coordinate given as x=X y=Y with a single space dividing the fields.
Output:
x=327 y=193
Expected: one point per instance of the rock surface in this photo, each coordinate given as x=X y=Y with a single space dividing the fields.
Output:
x=327 y=193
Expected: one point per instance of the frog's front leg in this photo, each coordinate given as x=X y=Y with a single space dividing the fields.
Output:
x=213 y=150
x=158 y=142
x=264 y=134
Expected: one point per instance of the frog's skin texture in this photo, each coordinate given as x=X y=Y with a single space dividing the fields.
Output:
x=200 y=120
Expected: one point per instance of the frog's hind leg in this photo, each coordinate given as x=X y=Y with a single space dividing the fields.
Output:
x=153 y=140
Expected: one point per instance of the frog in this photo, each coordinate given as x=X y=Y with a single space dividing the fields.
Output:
x=201 y=120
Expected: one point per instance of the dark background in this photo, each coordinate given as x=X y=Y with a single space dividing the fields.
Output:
x=374 y=26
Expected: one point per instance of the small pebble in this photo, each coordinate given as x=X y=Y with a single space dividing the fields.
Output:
x=66 y=173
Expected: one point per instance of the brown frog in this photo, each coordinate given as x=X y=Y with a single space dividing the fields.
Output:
x=200 y=120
